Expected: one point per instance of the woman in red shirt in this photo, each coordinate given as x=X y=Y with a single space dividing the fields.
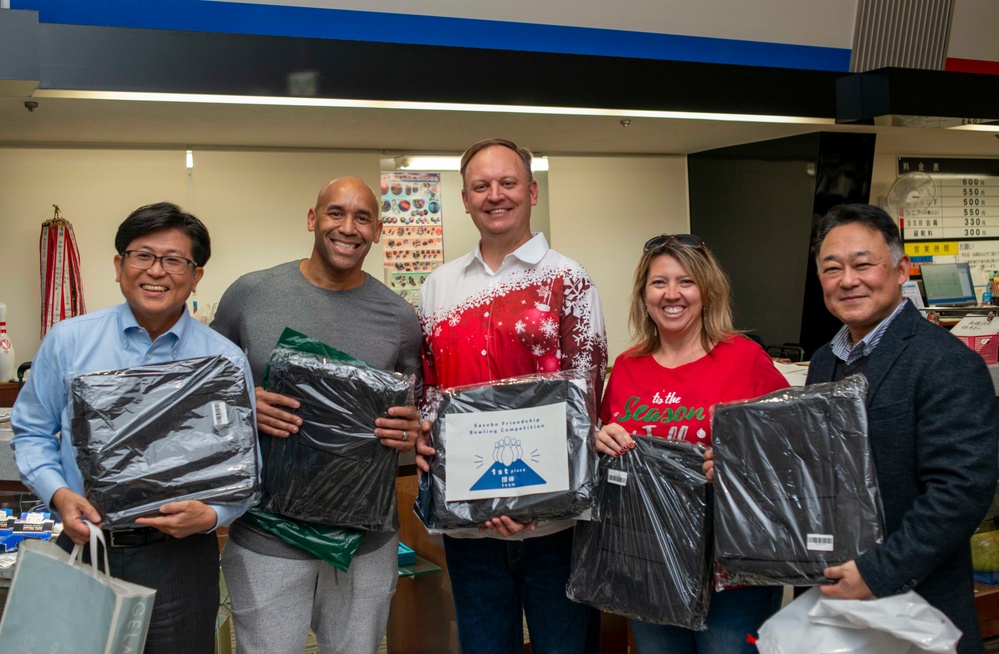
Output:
x=687 y=357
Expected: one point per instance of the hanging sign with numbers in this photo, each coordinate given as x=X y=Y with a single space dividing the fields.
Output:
x=962 y=222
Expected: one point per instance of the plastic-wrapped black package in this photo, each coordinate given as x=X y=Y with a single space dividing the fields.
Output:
x=795 y=488
x=498 y=419
x=649 y=555
x=334 y=471
x=150 y=435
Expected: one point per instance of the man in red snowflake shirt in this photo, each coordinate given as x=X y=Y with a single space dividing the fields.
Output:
x=513 y=306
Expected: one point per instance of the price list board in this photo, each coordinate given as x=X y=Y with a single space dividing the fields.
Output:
x=962 y=222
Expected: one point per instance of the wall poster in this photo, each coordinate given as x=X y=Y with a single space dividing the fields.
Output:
x=961 y=223
x=412 y=232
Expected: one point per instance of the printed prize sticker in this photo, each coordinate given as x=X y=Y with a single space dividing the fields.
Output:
x=220 y=416
x=819 y=542
x=617 y=477
x=507 y=453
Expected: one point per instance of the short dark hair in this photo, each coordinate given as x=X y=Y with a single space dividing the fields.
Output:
x=164 y=215
x=523 y=153
x=868 y=215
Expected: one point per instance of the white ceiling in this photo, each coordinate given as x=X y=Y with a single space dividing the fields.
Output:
x=114 y=123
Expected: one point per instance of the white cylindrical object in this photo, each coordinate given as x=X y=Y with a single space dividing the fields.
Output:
x=8 y=360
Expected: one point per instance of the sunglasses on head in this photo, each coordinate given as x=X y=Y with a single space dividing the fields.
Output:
x=690 y=240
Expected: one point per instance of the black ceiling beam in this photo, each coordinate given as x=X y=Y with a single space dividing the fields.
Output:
x=125 y=59
x=863 y=97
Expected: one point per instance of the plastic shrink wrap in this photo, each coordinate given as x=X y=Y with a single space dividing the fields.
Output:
x=161 y=433
x=900 y=624
x=334 y=471
x=507 y=466
x=649 y=555
x=795 y=489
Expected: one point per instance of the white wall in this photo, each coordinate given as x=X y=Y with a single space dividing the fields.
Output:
x=253 y=202
x=597 y=210
x=972 y=30
x=95 y=189
x=603 y=209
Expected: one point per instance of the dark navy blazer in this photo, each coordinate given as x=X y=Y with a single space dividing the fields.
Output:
x=934 y=427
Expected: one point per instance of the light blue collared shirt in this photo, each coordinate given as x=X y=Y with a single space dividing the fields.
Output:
x=846 y=350
x=109 y=339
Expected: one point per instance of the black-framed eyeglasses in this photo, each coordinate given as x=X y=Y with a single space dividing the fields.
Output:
x=171 y=264
x=690 y=240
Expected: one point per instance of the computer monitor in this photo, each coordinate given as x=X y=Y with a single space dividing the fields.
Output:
x=948 y=284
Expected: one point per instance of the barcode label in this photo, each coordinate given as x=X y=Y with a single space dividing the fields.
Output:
x=617 y=477
x=219 y=414
x=819 y=542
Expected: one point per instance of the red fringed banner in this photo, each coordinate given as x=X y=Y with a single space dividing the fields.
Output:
x=62 y=286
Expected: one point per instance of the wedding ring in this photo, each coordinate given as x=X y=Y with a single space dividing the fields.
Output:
x=405 y=436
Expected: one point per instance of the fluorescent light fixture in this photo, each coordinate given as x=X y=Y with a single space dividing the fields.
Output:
x=984 y=127
x=538 y=164
x=424 y=106
x=190 y=159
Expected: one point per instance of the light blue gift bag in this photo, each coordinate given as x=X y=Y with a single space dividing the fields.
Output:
x=57 y=603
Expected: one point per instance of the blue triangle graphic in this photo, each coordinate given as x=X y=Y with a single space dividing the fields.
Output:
x=516 y=475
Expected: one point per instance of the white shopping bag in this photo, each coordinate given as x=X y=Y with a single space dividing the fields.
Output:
x=900 y=624
x=57 y=603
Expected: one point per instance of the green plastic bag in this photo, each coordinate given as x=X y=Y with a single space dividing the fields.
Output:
x=299 y=342
x=335 y=545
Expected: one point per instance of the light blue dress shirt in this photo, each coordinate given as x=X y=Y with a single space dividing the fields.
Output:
x=109 y=339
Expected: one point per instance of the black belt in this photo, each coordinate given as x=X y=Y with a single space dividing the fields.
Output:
x=134 y=537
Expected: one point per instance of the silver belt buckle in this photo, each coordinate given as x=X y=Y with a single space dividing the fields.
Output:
x=113 y=542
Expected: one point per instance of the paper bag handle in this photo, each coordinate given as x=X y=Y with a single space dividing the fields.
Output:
x=96 y=536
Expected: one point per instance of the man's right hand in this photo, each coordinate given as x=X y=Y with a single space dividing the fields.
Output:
x=273 y=420
x=72 y=508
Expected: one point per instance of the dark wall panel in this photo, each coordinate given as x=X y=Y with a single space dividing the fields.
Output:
x=756 y=206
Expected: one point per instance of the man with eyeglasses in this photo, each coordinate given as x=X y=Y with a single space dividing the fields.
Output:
x=513 y=306
x=161 y=256
x=279 y=591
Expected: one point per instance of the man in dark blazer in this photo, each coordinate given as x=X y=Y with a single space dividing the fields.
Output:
x=932 y=420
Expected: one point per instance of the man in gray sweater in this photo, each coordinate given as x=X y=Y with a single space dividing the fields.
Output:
x=279 y=591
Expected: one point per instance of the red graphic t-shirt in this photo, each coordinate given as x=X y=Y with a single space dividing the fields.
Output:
x=650 y=400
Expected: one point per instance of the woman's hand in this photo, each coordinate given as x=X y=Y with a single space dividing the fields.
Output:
x=612 y=439
x=708 y=467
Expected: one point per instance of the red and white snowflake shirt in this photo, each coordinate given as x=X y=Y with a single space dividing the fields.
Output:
x=539 y=312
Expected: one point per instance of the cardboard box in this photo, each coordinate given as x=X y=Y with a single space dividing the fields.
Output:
x=981 y=335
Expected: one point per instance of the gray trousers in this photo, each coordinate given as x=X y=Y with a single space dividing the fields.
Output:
x=276 y=600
